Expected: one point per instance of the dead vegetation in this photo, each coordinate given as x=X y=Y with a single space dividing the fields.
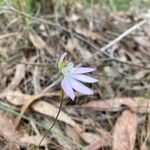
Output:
x=115 y=117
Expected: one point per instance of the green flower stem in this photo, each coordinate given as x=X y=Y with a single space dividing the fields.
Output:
x=61 y=99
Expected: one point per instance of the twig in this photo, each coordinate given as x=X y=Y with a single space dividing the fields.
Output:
x=124 y=34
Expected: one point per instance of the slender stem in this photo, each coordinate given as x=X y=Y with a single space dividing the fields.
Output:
x=61 y=99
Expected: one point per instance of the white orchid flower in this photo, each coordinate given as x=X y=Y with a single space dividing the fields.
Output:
x=73 y=76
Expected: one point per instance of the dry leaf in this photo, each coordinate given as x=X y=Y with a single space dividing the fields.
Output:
x=17 y=98
x=42 y=107
x=137 y=104
x=143 y=105
x=112 y=104
x=142 y=40
x=124 y=132
x=30 y=99
x=20 y=136
x=87 y=33
x=95 y=145
x=70 y=132
x=14 y=97
x=104 y=140
x=38 y=42
x=49 y=110
x=19 y=75
x=144 y=147
x=89 y=137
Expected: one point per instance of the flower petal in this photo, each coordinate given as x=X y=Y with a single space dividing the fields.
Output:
x=70 y=65
x=76 y=85
x=61 y=59
x=67 y=88
x=83 y=69
x=83 y=78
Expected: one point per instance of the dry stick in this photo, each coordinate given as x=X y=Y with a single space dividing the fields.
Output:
x=124 y=34
x=119 y=38
x=61 y=98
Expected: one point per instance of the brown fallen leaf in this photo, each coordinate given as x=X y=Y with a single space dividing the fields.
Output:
x=71 y=132
x=142 y=40
x=136 y=104
x=29 y=100
x=104 y=140
x=112 y=104
x=41 y=107
x=143 y=105
x=38 y=42
x=144 y=147
x=89 y=137
x=97 y=144
x=50 y=110
x=16 y=98
x=124 y=132
x=87 y=33
x=20 y=136
x=19 y=75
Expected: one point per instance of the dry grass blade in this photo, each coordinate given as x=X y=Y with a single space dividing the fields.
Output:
x=124 y=133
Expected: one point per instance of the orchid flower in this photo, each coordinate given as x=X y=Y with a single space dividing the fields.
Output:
x=73 y=76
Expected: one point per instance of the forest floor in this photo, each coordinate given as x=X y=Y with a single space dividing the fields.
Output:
x=117 y=44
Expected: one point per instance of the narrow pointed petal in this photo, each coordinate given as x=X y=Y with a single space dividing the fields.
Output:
x=76 y=85
x=84 y=78
x=67 y=88
x=61 y=59
x=83 y=70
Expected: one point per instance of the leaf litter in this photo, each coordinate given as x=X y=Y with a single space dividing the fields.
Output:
x=17 y=136
x=111 y=118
